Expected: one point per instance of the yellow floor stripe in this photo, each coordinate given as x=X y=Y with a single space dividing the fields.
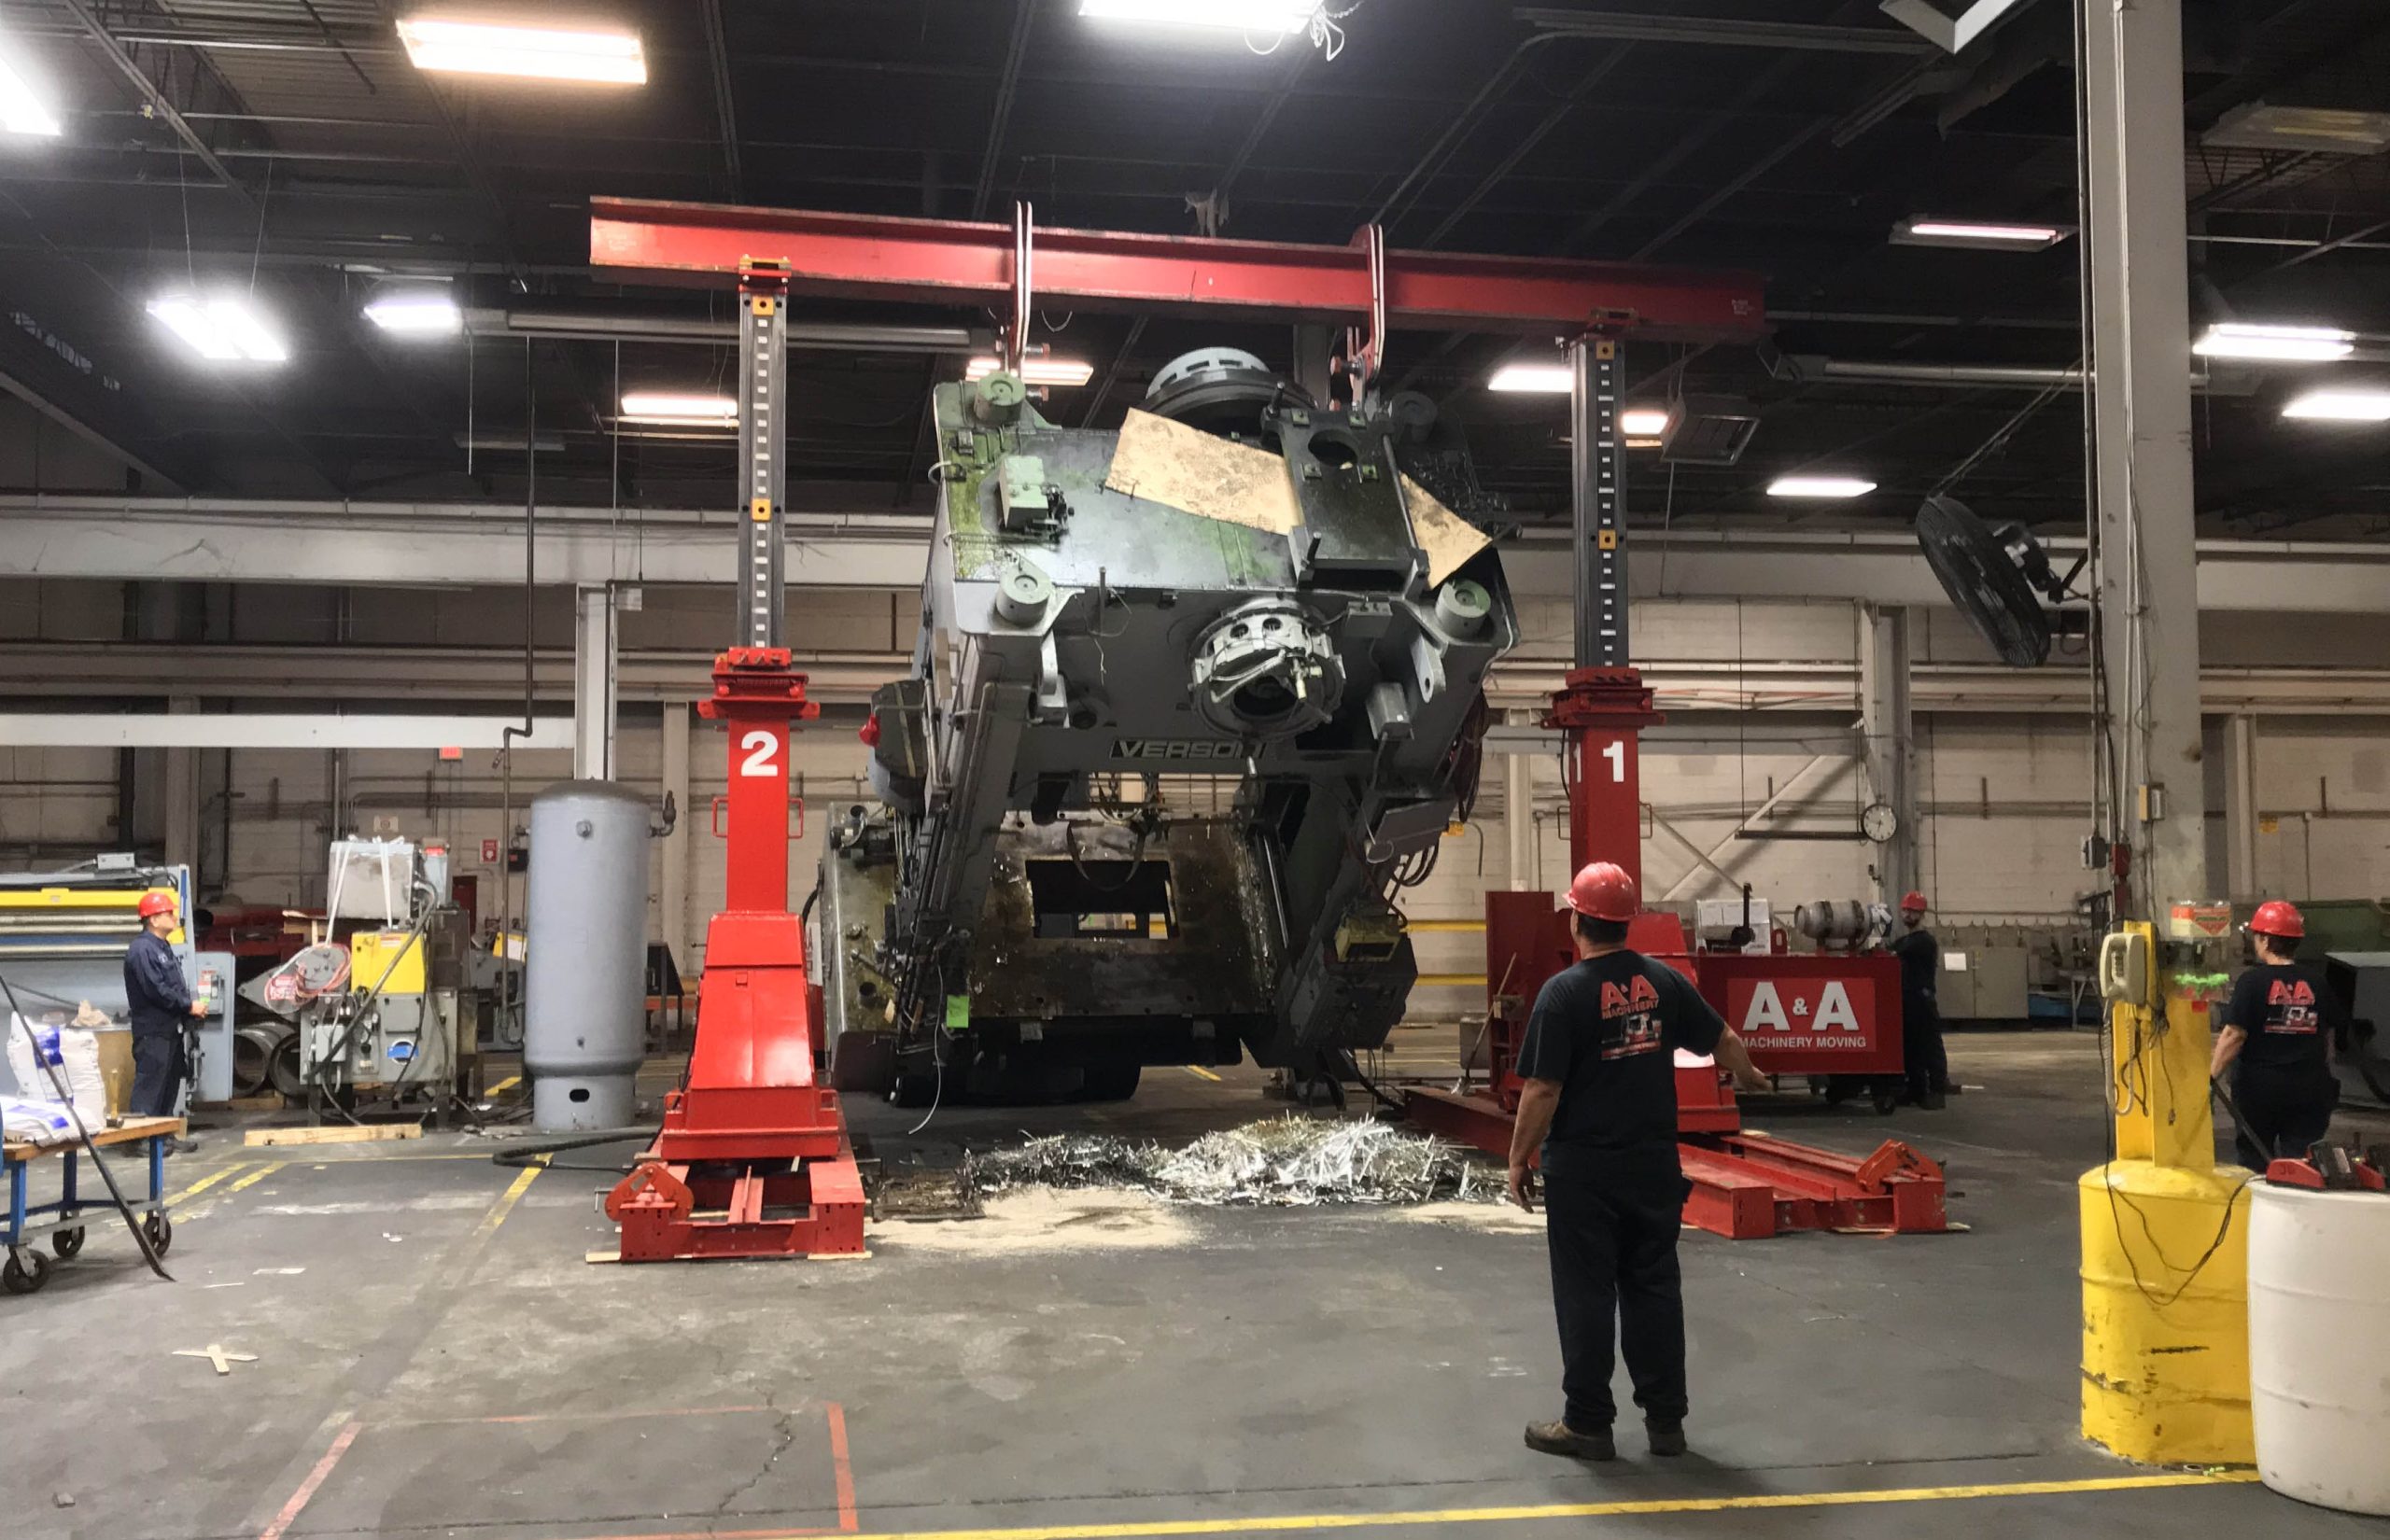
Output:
x=1198 y=1070
x=1290 y=1523
x=506 y=1201
x=205 y=1182
x=257 y=1176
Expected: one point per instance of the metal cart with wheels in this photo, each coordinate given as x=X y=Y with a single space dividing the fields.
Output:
x=66 y=1219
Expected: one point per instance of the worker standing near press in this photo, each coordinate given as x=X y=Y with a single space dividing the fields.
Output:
x=159 y=1001
x=1924 y=1058
x=1601 y=1103
x=2276 y=1036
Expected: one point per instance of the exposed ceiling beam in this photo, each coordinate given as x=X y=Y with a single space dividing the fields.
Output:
x=1724 y=32
x=132 y=70
x=1001 y=119
x=724 y=103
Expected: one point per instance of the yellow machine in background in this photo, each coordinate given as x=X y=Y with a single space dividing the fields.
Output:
x=2164 y=1228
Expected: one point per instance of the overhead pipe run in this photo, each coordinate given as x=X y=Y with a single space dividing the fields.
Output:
x=1815 y=369
x=840 y=336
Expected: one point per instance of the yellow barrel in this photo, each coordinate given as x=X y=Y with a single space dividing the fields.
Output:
x=2166 y=1312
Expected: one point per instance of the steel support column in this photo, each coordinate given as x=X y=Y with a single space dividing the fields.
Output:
x=1887 y=724
x=1518 y=820
x=180 y=785
x=2148 y=567
x=2165 y=1363
x=673 y=849
x=2241 y=807
x=595 y=653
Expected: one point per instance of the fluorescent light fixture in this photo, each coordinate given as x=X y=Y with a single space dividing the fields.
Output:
x=673 y=409
x=1922 y=230
x=2341 y=406
x=1532 y=379
x=1063 y=374
x=1284 y=16
x=2307 y=345
x=226 y=329
x=1819 y=486
x=1645 y=422
x=1952 y=23
x=416 y=315
x=536 y=53
x=23 y=109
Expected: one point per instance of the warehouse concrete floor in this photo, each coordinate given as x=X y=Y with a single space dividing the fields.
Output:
x=434 y=1357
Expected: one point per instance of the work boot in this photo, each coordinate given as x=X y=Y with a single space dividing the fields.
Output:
x=1931 y=1101
x=1557 y=1437
x=1667 y=1439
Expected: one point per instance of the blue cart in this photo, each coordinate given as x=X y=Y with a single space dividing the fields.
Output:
x=66 y=1219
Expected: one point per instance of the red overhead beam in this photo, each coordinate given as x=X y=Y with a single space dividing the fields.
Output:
x=863 y=255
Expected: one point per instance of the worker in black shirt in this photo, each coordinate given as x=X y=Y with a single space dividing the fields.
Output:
x=160 y=1001
x=1922 y=1057
x=1601 y=1103
x=2276 y=1035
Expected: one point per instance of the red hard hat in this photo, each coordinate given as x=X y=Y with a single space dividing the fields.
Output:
x=2276 y=918
x=1605 y=892
x=157 y=901
x=1914 y=901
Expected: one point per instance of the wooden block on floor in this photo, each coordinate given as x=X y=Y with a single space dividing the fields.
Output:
x=269 y=1102
x=334 y=1133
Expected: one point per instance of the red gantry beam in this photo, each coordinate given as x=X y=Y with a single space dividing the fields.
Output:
x=862 y=255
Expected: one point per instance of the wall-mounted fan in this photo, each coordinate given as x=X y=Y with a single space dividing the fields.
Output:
x=1997 y=576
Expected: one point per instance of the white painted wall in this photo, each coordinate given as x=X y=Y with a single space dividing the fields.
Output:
x=2005 y=796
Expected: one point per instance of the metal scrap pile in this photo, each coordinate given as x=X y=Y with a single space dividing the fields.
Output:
x=1278 y=1162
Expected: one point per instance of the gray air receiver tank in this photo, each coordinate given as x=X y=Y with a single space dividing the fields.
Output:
x=585 y=972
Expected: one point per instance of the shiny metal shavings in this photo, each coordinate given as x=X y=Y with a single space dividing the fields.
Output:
x=1278 y=1162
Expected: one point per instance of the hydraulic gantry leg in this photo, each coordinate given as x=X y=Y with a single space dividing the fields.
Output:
x=752 y=1159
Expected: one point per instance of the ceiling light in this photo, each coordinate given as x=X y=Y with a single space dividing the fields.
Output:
x=2342 y=406
x=674 y=410
x=1286 y=16
x=2332 y=130
x=1952 y=23
x=1819 y=486
x=227 y=329
x=1064 y=373
x=2281 y=344
x=1920 y=230
x=1645 y=422
x=22 y=108
x=1533 y=380
x=416 y=315
x=539 y=53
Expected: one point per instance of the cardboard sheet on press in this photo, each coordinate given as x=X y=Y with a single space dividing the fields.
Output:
x=1449 y=540
x=1186 y=467
x=1215 y=478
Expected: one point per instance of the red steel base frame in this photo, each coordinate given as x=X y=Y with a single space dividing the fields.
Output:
x=752 y=1159
x=1746 y=1187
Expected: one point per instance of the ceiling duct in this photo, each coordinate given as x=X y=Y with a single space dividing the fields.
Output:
x=1951 y=24
x=1710 y=431
x=2323 y=131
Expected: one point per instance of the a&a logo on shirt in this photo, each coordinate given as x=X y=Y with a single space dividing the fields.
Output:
x=1629 y=1025
x=2291 y=1007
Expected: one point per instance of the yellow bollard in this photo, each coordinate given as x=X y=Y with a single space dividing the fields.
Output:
x=2164 y=1228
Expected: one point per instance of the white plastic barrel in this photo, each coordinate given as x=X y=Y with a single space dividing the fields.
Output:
x=2319 y=1363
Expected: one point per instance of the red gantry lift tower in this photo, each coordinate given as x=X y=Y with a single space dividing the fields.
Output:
x=1745 y=1185
x=753 y=1159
